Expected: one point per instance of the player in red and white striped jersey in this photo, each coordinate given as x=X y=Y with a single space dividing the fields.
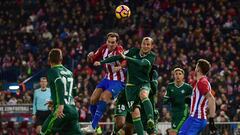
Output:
x=104 y=52
x=113 y=82
x=201 y=100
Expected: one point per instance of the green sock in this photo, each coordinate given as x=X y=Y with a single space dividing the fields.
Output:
x=138 y=126
x=148 y=108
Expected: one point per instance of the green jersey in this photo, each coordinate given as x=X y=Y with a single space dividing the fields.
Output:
x=153 y=82
x=176 y=95
x=138 y=67
x=61 y=84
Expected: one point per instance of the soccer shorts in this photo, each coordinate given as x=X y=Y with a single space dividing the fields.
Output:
x=192 y=126
x=68 y=125
x=41 y=116
x=115 y=87
x=132 y=94
x=121 y=108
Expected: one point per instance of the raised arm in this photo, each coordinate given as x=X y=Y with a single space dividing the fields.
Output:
x=142 y=62
x=111 y=59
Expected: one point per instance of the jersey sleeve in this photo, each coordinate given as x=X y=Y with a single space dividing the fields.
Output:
x=167 y=95
x=154 y=82
x=98 y=54
x=58 y=83
x=130 y=52
x=59 y=86
x=119 y=51
x=203 y=86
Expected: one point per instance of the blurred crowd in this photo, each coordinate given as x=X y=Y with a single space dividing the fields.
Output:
x=182 y=31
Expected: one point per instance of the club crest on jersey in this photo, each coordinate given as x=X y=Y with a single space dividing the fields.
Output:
x=182 y=91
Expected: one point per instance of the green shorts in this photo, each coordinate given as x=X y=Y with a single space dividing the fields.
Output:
x=121 y=108
x=178 y=118
x=121 y=105
x=132 y=94
x=68 y=125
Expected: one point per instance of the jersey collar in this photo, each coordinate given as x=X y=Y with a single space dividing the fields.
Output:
x=144 y=55
x=59 y=65
x=178 y=86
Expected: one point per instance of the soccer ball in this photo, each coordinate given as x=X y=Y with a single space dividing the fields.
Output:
x=122 y=11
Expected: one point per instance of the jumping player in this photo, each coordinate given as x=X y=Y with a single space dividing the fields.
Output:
x=111 y=85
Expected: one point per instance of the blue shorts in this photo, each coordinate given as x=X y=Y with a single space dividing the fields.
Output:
x=115 y=87
x=192 y=126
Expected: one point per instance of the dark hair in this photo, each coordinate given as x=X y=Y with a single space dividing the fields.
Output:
x=55 y=56
x=113 y=34
x=204 y=66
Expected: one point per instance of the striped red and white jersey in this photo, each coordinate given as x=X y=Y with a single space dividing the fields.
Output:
x=199 y=102
x=102 y=53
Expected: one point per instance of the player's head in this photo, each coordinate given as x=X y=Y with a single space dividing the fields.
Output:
x=43 y=82
x=178 y=74
x=55 y=57
x=112 y=40
x=202 y=67
x=147 y=44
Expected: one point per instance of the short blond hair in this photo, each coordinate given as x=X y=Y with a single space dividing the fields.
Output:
x=178 y=69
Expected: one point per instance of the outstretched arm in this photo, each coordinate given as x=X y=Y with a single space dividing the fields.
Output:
x=111 y=59
x=142 y=62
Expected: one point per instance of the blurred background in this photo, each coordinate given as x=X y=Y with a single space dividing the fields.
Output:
x=183 y=32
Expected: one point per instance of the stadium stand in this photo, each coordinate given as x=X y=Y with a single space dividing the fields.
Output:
x=183 y=32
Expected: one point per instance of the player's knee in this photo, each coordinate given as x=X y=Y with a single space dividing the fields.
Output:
x=93 y=100
x=106 y=96
x=120 y=124
x=136 y=113
x=143 y=94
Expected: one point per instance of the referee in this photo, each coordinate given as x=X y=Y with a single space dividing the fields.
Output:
x=40 y=109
